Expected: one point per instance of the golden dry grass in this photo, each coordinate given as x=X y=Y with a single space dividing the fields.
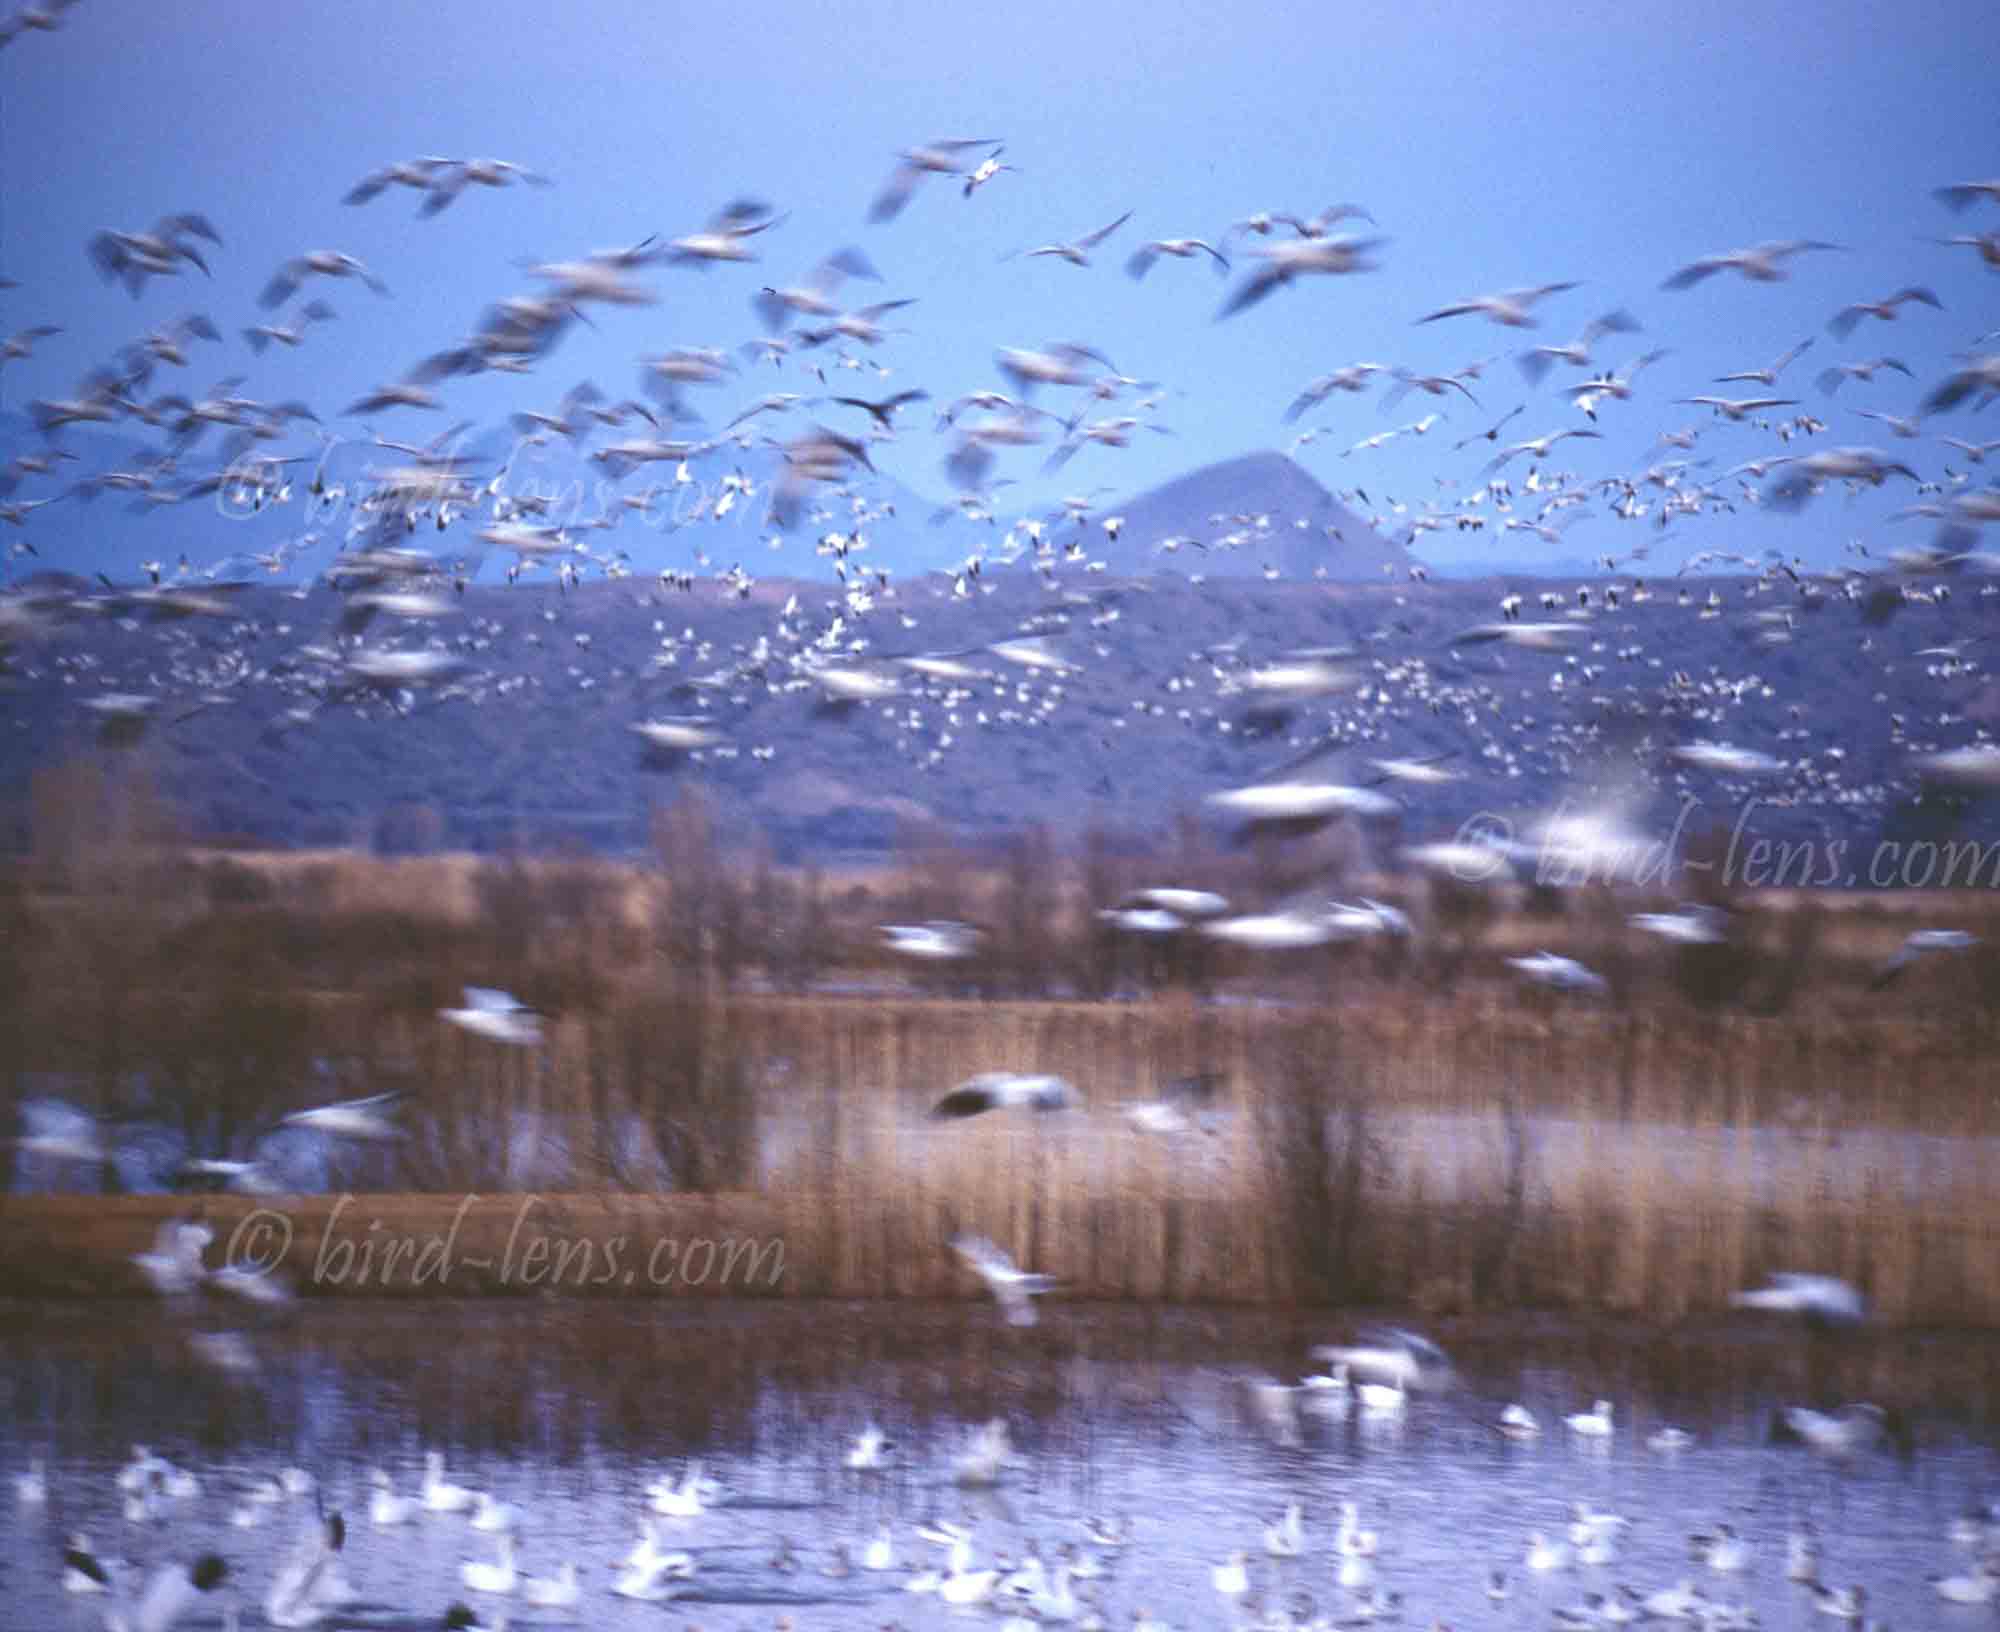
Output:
x=1394 y=1132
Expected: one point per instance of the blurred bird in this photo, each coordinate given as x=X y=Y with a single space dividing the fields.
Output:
x=1012 y=1288
x=1004 y=1090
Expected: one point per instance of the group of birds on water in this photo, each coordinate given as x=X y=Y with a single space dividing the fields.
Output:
x=1376 y=1379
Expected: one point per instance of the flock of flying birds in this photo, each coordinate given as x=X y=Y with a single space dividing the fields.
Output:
x=852 y=650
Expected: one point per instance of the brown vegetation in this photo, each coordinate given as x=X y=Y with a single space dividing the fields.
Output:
x=1408 y=1130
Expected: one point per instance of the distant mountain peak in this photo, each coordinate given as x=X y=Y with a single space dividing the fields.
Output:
x=1243 y=515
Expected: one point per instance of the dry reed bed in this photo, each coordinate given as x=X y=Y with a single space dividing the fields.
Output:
x=1447 y=1155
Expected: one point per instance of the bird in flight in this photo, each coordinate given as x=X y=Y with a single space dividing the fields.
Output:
x=942 y=158
x=1013 y=1288
x=1763 y=263
x=1078 y=253
x=1510 y=306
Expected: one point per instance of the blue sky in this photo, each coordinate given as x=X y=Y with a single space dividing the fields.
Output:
x=1496 y=148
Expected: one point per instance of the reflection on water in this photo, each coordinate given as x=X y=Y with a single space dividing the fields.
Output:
x=570 y=1411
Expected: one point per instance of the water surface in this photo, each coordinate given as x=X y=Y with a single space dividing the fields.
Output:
x=570 y=1410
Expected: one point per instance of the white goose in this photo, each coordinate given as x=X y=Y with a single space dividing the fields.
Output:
x=493 y=1515
x=385 y=1508
x=870 y=1452
x=1592 y=1424
x=498 y=1577
x=439 y=1495
x=305 y=1589
x=1286 y=1537
x=559 y=1591
x=682 y=1501
x=966 y=1587
x=880 y=1554
x=1384 y=1399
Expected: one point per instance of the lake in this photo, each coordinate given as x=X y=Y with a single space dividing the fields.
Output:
x=569 y=1410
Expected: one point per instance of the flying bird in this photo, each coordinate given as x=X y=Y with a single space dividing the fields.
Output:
x=1768 y=376
x=1013 y=1288
x=1181 y=248
x=1003 y=1090
x=324 y=263
x=498 y=1016
x=1285 y=263
x=941 y=158
x=1078 y=252
x=1843 y=321
x=1510 y=307
x=1764 y=263
x=1819 y=1300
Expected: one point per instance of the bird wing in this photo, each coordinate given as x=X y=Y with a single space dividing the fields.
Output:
x=1690 y=275
x=1261 y=283
x=972 y=1098
x=978 y=1253
x=1094 y=239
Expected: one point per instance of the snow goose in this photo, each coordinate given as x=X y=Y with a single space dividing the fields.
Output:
x=1819 y=1300
x=174 y=1590
x=685 y=1500
x=880 y=1554
x=1013 y=1288
x=870 y=1450
x=1592 y=1424
x=491 y=1514
x=440 y=1496
x=497 y=1016
x=497 y=1576
x=1285 y=1537
x=1762 y=263
x=385 y=1508
x=1544 y=1554
x=299 y=1594
x=559 y=1591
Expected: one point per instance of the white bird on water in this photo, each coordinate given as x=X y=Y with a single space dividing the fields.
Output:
x=870 y=1450
x=174 y=1590
x=385 y=1508
x=439 y=1495
x=306 y=1587
x=683 y=1500
x=493 y=1515
x=498 y=1577
x=1594 y=1423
